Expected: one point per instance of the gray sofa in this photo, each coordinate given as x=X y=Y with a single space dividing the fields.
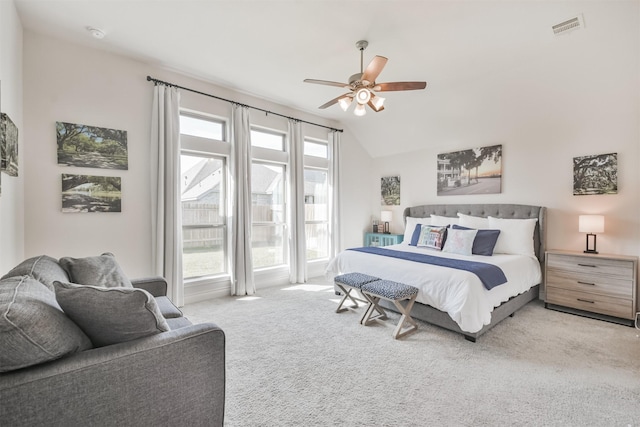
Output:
x=174 y=375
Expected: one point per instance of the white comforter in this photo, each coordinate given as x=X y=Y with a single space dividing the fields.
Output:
x=459 y=293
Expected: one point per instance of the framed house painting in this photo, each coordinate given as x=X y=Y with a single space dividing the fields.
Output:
x=595 y=174
x=473 y=171
x=91 y=146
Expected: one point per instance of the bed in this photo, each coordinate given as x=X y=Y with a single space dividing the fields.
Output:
x=453 y=298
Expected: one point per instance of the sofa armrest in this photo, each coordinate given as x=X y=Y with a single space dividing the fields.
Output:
x=171 y=378
x=156 y=286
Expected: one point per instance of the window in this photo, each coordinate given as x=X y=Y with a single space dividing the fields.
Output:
x=269 y=217
x=267 y=139
x=203 y=198
x=316 y=199
x=316 y=210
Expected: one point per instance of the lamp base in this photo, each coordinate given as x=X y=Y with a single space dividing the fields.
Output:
x=590 y=252
x=591 y=244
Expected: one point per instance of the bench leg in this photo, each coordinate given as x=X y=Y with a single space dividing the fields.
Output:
x=368 y=316
x=405 y=318
x=346 y=294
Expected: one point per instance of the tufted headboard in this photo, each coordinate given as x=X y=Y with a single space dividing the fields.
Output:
x=494 y=210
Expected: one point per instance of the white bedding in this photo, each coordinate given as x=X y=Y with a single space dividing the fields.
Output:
x=459 y=293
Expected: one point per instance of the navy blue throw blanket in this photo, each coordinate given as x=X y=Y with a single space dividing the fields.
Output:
x=489 y=274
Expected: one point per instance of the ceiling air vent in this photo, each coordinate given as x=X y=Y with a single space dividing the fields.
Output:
x=568 y=25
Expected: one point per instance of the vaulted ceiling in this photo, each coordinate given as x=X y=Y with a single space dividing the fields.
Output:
x=488 y=64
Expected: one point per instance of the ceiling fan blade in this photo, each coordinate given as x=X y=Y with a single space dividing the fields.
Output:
x=327 y=83
x=382 y=87
x=373 y=107
x=374 y=68
x=334 y=101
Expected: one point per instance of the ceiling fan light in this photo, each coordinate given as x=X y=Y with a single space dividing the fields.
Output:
x=345 y=103
x=363 y=96
x=378 y=102
x=360 y=110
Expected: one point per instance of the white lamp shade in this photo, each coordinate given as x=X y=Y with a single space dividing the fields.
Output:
x=386 y=216
x=591 y=223
x=360 y=110
x=344 y=103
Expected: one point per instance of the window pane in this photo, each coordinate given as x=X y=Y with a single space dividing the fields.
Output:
x=272 y=141
x=317 y=241
x=267 y=245
x=316 y=149
x=268 y=210
x=202 y=189
x=203 y=128
x=315 y=195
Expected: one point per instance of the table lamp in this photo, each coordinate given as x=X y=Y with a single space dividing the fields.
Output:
x=591 y=224
x=386 y=217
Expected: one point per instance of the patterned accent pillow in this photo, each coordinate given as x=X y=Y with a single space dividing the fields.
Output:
x=432 y=237
x=460 y=241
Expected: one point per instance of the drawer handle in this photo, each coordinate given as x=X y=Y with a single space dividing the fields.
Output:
x=585 y=300
x=587 y=265
x=586 y=283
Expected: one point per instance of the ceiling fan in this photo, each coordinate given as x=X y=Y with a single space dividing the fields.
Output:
x=362 y=86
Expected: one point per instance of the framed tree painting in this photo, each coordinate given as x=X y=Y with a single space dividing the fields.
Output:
x=91 y=146
x=88 y=193
x=8 y=145
x=390 y=190
x=595 y=174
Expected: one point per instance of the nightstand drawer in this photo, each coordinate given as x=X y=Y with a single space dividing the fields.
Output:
x=617 y=307
x=590 y=283
x=613 y=268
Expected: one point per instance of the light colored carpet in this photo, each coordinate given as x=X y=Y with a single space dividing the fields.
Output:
x=292 y=361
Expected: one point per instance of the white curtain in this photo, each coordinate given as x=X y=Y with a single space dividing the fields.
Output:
x=242 y=280
x=297 y=246
x=334 y=184
x=166 y=222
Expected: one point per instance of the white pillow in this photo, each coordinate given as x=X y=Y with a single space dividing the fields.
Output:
x=473 y=221
x=443 y=220
x=516 y=236
x=459 y=241
x=410 y=227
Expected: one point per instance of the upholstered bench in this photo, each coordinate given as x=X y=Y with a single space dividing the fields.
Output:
x=394 y=292
x=348 y=282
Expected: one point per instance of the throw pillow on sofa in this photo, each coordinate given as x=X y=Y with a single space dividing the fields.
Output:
x=111 y=315
x=43 y=268
x=101 y=270
x=34 y=328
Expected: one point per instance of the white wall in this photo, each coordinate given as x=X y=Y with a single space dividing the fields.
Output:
x=587 y=102
x=11 y=199
x=67 y=82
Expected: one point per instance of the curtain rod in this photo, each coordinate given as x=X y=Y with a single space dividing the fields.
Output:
x=156 y=81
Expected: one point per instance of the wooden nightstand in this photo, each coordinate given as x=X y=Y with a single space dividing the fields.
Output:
x=381 y=239
x=601 y=286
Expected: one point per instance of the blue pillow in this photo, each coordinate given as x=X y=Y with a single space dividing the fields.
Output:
x=484 y=242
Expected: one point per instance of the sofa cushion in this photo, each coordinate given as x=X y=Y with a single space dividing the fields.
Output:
x=111 y=315
x=168 y=310
x=33 y=328
x=101 y=270
x=42 y=268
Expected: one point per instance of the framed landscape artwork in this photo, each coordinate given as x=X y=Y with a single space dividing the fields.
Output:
x=595 y=174
x=390 y=191
x=87 y=193
x=91 y=146
x=8 y=145
x=473 y=171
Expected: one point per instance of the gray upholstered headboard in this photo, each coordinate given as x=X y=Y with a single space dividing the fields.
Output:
x=494 y=210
